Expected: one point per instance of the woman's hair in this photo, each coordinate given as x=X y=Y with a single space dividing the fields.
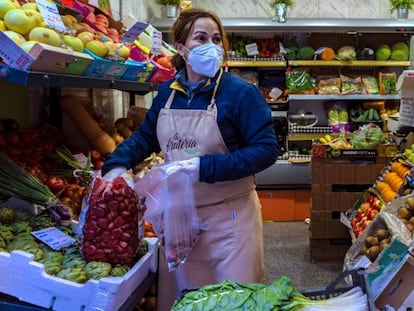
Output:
x=183 y=27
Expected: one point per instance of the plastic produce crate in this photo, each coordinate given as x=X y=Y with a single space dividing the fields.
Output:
x=27 y=281
x=340 y=285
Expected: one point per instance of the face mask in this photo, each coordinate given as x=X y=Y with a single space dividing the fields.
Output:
x=205 y=59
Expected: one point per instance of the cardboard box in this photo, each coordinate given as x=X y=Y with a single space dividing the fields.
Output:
x=27 y=280
x=334 y=197
x=43 y=58
x=105 y=68
x=399 y=291
x=138 y=71
x=328 y=250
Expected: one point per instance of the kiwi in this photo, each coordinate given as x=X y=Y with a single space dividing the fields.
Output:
x=363 y=250
x=384 y=243
x=410 y=202
x=382 y=234
x=405 y=213
x=371 y=240
x=373 y=252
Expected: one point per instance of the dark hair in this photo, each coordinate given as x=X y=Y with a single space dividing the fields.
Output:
x=183 y=26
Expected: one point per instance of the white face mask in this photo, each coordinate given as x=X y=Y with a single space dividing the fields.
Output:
x=205 y=59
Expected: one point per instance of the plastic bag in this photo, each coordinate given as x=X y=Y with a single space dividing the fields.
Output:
x=171 y=209
x=110 y=223
x=337 y=113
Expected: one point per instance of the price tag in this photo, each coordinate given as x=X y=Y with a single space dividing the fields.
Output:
x=51 y=15
x=406 y=112
x=156 y=47
x=252 y=49
x=53 y=237
x=133 y=32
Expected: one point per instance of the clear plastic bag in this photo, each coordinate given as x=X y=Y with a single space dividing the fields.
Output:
x=171 y=209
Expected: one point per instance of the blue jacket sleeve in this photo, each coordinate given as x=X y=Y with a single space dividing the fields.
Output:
x=137 y=147
x=247 y=127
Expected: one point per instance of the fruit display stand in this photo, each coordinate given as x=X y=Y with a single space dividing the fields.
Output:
x=27 y=281
x=339 y=177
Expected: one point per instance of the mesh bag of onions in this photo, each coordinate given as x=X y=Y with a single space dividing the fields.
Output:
x=110 y=222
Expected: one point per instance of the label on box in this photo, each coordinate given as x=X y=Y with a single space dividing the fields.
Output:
x=50 y=14
x=12 y=55
x=156 y=42
x=54 y=238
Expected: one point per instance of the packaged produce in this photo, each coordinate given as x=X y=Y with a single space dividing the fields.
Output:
x=367 y=136
x=351 y=85
x=300 y=81
x=109 y=222
x=329 y=86
x=387 y=83
x=171 y=209
x=337 y=113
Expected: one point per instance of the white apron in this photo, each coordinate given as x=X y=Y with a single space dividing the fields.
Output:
x=232 y=248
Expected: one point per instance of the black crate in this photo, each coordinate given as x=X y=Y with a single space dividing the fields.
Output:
x=340 y=285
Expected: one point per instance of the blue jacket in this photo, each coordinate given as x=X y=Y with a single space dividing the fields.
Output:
x=244 y=119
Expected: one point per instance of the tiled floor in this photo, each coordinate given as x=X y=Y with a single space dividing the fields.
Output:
x=287 y=253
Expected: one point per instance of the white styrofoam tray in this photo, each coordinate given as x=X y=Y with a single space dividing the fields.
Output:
x=27 y=280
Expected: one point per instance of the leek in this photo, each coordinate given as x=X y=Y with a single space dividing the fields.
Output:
x=16 y=181
x=352 y=300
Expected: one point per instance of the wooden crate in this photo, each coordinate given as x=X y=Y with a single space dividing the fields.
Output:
x=347 y=171
x=328 y=250
x=336 y=197
x=327 y=225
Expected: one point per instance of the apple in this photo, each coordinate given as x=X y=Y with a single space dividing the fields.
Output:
x=72 y=18
x=67 y=21
x=75 y=43
x=20 y=21
x=45 y=35
x=36 y=15
x=97 y=47
x=7 y=5
x=15 y=36
x=85 y=36
x=113 y=34
x=120 y=50
x=30 y=6
x=90 y=17
x=100 y=18
x=27 y=45
x=2 y=26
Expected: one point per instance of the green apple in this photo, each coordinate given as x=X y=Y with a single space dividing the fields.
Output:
x=2 y=26
x=97 y=47
x=16 y=37
x=30 y=6
x=45 y=35
x=7 y=5
x=75 y=43
x=27 y=45
x=86 y=36
x=35 y=15
x=20 y=21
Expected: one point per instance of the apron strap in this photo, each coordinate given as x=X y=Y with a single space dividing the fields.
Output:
x=170 y=100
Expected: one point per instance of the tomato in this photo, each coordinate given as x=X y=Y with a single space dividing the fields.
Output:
x=55 y=183
x=97 y=165
x=73 y=191
x=95 y=155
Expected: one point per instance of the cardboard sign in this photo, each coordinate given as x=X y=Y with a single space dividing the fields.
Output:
x=53 y=237
x=50 y=14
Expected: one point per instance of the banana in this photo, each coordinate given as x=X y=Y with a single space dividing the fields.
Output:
x=323 y=140
x=328 y=138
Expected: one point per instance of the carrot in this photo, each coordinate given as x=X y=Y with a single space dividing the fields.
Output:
x=328 y=54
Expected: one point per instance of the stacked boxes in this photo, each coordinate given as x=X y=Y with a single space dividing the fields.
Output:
x=337 y=183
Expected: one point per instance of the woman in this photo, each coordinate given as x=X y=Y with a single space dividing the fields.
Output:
x=220 y=126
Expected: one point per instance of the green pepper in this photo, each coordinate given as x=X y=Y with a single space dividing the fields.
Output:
x=119 y=270
x=75 y=274
x=2 y=243
x=6 y=233
x=97 y=270
x=52 y=267
x=21 y=226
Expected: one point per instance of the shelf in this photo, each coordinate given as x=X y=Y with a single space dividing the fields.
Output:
x=343 y=97
x=43 y=79
x=342 y=25
x=245 y=62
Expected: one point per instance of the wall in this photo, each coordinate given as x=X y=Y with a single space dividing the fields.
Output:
x=144 y=10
